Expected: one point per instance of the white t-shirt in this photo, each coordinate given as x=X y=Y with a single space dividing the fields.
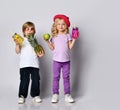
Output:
x=28 y=57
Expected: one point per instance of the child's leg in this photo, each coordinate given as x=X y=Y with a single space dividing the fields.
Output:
x=56 y=76
x=66 y=77
x=35 y=85
x=24 y=82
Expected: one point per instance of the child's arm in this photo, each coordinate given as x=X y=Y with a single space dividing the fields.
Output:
x=50 y=45
x=17 y=47
x=71 y=43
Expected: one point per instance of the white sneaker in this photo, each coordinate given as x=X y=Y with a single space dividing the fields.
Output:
x=21 y=100
x=68 y=98
x=55 y=98
x=37 y=99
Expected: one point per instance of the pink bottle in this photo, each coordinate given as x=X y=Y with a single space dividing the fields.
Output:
x=75 y=32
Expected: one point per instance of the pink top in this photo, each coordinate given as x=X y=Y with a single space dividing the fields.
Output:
x=61 y=53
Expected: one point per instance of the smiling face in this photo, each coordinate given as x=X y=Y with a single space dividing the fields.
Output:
x=61 y=26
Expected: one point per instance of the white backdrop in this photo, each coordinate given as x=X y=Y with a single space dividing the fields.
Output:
x=95 y=59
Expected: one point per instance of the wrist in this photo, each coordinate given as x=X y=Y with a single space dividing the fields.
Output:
x=17 y=44
x=74 y=39
x=47 y=42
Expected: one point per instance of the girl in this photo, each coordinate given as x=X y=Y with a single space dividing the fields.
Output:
x=29 y=65
x=61 y=43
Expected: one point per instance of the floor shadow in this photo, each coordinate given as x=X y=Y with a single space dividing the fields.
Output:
x=79 y=63
x=45 y=77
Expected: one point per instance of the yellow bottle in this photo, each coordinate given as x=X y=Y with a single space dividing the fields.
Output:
x=18 y=38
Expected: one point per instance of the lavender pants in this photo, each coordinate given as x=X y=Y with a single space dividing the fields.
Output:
x=57 y=67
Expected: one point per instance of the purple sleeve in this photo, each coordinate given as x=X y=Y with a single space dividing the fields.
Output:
x=69 y=37
x=51 y=39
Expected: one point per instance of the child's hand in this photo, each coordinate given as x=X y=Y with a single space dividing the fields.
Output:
x=41 y=54
x=16 y=42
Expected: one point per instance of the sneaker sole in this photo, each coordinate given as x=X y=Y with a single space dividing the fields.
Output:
x=69 y=101
x=54 y=101
x=36 y=101
x=21 y=102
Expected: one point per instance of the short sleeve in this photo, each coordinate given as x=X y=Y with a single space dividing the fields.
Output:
x=69 y=37
x=51 y=39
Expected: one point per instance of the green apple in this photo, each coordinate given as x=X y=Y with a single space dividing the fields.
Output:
x=46 y=36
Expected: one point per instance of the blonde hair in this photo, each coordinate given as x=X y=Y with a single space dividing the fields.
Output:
x=26 y=25
x=54 y=30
